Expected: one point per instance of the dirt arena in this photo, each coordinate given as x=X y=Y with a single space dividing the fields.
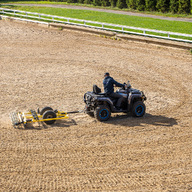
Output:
x=45 y=67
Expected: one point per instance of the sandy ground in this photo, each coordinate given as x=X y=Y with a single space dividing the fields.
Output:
x=44 y=67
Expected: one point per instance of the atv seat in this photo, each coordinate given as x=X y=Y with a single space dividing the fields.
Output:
x=102 y=94
x=96 y=89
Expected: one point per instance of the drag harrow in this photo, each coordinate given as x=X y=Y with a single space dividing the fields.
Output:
x=46 y=115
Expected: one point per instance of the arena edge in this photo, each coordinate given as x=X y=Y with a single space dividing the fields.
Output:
x=60 y=27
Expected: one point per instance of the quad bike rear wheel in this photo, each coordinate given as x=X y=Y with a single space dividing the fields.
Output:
x=102 y=113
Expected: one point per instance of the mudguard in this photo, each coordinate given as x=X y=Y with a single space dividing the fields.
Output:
x=133 y=97
x=107 y=100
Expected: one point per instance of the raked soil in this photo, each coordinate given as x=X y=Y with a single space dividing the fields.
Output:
x=45 y=67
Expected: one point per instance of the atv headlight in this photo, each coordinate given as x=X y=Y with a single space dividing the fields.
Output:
x=143 y=96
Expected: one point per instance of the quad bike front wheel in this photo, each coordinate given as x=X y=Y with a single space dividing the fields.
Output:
x=102 y=113
x=138 y=109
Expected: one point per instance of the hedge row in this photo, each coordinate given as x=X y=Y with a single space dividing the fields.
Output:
x=174 y=6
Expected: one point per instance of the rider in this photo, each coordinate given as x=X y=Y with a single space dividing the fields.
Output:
x=108 y=84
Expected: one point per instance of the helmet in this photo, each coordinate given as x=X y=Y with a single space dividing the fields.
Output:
x=106 y=74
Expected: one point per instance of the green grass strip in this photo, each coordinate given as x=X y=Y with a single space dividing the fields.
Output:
x=167 y=14
x=135 y=21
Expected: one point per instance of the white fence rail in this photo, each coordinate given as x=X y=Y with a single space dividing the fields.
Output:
x=99 y=25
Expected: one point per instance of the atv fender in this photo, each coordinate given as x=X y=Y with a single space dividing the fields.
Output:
x=106 y=100
x=133 y=98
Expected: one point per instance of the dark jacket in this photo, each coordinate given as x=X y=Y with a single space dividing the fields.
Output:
x=108 y=84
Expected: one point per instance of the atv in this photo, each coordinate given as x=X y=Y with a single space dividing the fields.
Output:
x=100 y=105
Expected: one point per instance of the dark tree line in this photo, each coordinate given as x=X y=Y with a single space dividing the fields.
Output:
x=174 y=6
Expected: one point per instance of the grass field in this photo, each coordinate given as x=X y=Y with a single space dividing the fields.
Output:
x=144 y=22
x=169 y=14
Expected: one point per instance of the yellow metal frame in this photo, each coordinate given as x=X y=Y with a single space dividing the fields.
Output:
x=27 y=117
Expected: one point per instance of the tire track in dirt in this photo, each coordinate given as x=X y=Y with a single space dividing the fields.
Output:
x=124 y=174
x=152 y=153
x=176 y=85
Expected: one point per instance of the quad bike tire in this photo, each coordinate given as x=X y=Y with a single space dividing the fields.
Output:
x=45 y=109
x=102 y=113
x=49 y=115
x=138 y=109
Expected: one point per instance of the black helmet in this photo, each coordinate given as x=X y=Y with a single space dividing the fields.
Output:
x=106 y=74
